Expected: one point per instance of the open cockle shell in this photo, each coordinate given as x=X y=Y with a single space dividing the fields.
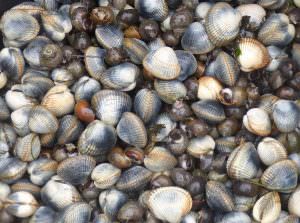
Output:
x=169 y=203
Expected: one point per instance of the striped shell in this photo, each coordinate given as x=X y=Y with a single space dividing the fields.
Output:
x=121 y=77
x=19 y=26
x=75 y=213
x=109 y=36
x=159 y=159
x=225 y=69
x=43 y=214
x=222 y=23
x=85 y=88
x=257 y=121
x=97 y=139
x=267 y=208
x=11 y=169
x=4 y=111
x=131 y=130
x=170 y=91
x=218 y=197
x=188 y=64
x=276 y=30
x=28 y=148
x=32 y=8
x=105 y=175
x=59 y=100
x=195 y=39
x=209 y=88
x=20 y=118
x=94 y=61
x=162 y=63
x=210 y=110
x=164 y=120
x=147 y=104
x=169 y=203
x=109 y=105
x=152 y=9
x=271 y=151
x=253 y=55
x=136 y=49
x=134 y=179
x=281 y=176
x=82 y=164
x=26 y=185
x=235 y=217
x=293 y=202
x=243 y=162
x=42 y=121
x=201 y=146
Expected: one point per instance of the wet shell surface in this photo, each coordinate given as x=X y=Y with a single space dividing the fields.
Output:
x=209 y=110
x=169 y=203
x=109 y=105
x=170 y=91
x=188 y=64
x=257 y=121
x=167 y=125
x=131 y=130
x=201 y=146
x=159 y=159
x=85 y=88
x=255 y=12
x=82 y=164
x=267 y=208
x=28 y=148
x=195 y=39
x=20 y=118
x=208 y=88
x=162 y=63
x=136 y=49
x=11 y=169
x=153 y=9
x=222 y=23
x=271 y=151
x=94 y=61
x=147 y=104
x=109 y=36
x=105 y=175
x=43 y=214
x=75 y=213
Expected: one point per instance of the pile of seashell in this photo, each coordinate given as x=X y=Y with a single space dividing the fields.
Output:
x=151 y=111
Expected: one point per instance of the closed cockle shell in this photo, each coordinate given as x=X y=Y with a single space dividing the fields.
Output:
x=19 y=26
x=267 y=101
x=293 y=202
x=277 y=56
x=170 y=91
x=56 y=25
x=244 y=203
x=42 y=121
x=94 y=61
x=109 y=105
x=286 y=115
x=251 y=54
x=105 y=175
x=111 y=201
x=276 y=30
x=257 y=121
x=222 y=23
x=243 y=162
x=82 y=164
x=62 y=76
x=132 y=130
x=235 y=217
x=85 y=88
x=255 y=12
x=11 y=169
x=267 y=208
x=225 y=144
x=201 y=146
x=21 y=204
x=210 y=110
x=218 y=197
x=69 y=129
x=20 y=119
x=109 y=36
x=188 y=64
x=43 y=214
x=159 y=159
x=169 y=203
x=134 y=179
x=167 y=125
x=26 y=185
x=12 y=63
x=147 y=104
x=136 y=49
x=152 y=9
x=162 y=64
x=51 y=193
x=75 y=213
x=156 y=44
x=195 y=39
x=7 y=134
x=225 y=69
x=32 y=8
x=59 y=100
x=121 y=77
x=41 y=170
x=281 y=176
x=28 y=148
x=271 y=151
x=208 y=88
x=97 y=139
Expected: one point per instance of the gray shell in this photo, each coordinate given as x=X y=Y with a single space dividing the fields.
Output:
x=94 y=61
x=85 y=88
x=170 y=91
x=4 y=111
x=11 y=169
x=28 y=148
x=195 y=39
x=7 y=134
x=152 y=9
x=109 y=36
x=97 y=139
x=109 y=105
x=236 y=217
x=131 y=130
x=188 y=64
x=43 y=214
x=136 y=49
x=168 y=125
x=209 y=110
x=75 y=213
x=20 y=118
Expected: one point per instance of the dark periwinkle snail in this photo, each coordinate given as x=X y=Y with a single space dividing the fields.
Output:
x=148 y=30
x=102 y=15
x=51 y=56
